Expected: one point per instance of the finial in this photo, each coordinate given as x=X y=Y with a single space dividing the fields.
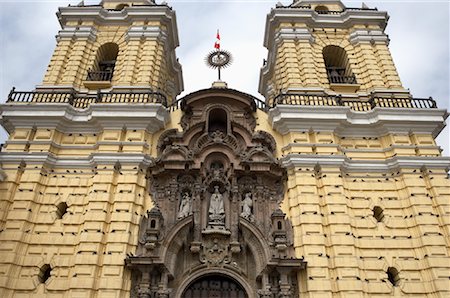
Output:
x=219 y=58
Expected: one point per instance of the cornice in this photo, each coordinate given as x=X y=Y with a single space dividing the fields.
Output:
x=94 y=159
x=368 y=36
x=84 y=32
x=348 y=165
x=345 y=122
x=97 y=117
x=104 y=17
x=346 y=19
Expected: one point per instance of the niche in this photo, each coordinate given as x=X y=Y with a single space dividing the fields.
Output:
x=218 y=121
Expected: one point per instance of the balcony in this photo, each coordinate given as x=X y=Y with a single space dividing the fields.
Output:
x=99 y=75
x=98 y=79
x=360 y=105
x=82 y=100
x=341 y=80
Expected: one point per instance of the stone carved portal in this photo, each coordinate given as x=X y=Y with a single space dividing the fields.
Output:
x=215 y=286
x=216 y=223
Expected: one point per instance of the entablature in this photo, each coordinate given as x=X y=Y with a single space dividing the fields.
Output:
x=343 y=121
x=95 y=118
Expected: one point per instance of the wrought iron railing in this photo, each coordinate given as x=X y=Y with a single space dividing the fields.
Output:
x=361 y=105
x=336 y=12
x=99 y=75
x=82 y=101
x=337 y=75
x=340 y=79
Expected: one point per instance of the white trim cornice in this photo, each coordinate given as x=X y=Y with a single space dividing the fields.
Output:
x=346 y=19
x=390 y=164
x=368 y=36
x=103 y=17
x=97 y=117
x=90 y=161
x=84 y=32
x=345 y=122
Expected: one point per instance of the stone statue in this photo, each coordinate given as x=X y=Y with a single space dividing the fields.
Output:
x=185 y=206
x=247 y=204
x=216 y=209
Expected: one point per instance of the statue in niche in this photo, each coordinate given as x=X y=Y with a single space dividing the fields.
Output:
x=247 y=205
x=185 y=206
x=216 y=209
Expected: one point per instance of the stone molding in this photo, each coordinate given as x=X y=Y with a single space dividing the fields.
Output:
x=104 y=17
x=346 y=19
x=348 y=165
x=95 y=118
x=84 y=32
x=54 y=161
x=143 y=32
x=368 y=36
x=344 y=122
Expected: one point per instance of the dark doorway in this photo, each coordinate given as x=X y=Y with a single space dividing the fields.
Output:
x=214 y=286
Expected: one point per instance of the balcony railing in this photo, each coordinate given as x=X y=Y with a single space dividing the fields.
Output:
x=99 y=75
x=361 y=105
x=82 y=101
x=336 y=75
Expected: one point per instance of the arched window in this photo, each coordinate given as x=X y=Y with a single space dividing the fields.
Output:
x=337 y=65
x=217 y=120
x=321 y=9
x=104 y=63
x=44 y=273
x=393 y=276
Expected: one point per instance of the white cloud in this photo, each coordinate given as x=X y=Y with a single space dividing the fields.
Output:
x=419 y=33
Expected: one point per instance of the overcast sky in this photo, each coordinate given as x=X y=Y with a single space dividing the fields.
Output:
x=419 y=33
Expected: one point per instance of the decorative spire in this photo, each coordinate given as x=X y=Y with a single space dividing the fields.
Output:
x=218 y=59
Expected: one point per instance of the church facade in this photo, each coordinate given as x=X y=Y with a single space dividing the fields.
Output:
x=333 y=186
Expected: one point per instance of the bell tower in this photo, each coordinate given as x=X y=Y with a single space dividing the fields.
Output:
x=323 y=47
x=116 y=46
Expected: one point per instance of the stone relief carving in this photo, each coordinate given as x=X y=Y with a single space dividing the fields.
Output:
x=217 y=195
x=185 y=208
x=216 y=209
x=247 y=206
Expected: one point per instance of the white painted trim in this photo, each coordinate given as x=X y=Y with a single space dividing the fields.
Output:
x=345 y=122
x=97 y=117
x=368 y=36
x=346 y=19
x=84 y=32
x=94 y=159
x=389 y=164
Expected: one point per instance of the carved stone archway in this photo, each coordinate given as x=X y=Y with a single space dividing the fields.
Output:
x=220 y=284
x=216 y=194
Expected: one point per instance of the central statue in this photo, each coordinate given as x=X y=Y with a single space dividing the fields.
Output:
x=216 y=209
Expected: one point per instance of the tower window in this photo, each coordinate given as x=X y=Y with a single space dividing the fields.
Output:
x=321 y=9
x=61 y=209
x=104 y=63
x=44 y=273
x=217 y=121
x=378 y=213
x=393 y=276
x=121 y=6
x=337 y=65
